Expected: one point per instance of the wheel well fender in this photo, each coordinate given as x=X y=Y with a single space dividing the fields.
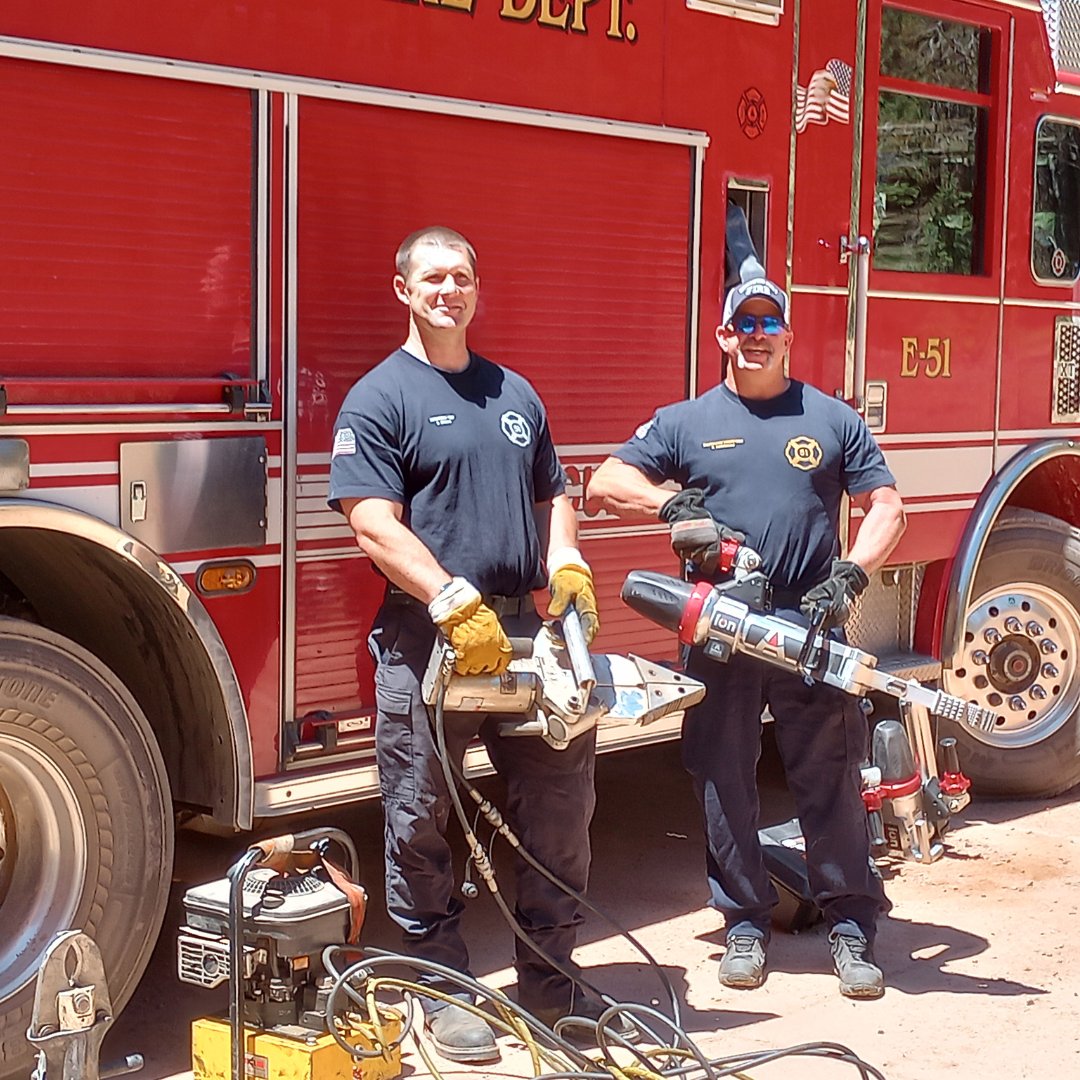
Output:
x=117 y=598
x=1043 y=476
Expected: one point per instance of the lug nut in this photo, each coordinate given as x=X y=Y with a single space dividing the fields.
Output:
x=991 y=635
x=980 y=656
x=1034 y=629
x=1036 y=691
x=1017 y=703
x=1049 y=671
x=1048 y=646
x=1013 y=625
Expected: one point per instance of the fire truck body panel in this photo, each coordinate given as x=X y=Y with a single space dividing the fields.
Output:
x=201 y=205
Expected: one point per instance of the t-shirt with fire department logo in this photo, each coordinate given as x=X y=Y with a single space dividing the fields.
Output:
x=467 y=454
x=775 y=470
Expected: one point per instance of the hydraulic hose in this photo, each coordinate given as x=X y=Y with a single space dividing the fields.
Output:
x=546 y=1045
x=454 y=775
x=480 y=858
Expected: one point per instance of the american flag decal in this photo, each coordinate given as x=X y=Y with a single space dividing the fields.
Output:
x=826 y=97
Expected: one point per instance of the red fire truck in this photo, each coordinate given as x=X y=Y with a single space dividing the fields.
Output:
x=199 y=205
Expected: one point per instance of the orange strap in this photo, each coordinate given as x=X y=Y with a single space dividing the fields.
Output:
x=280 y=854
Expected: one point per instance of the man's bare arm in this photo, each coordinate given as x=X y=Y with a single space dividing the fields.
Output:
x=562 y=525
x=881 y=528
x=626 y=489
x=394 y=548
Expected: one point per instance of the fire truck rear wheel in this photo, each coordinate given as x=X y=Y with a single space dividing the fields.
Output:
x=1021 y=658
x=86 y=829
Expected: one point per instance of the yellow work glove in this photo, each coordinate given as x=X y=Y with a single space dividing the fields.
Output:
x=472 y=628
x=571 y=582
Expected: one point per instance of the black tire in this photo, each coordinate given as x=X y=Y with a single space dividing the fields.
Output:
x=1030 y=573
x=78 y=758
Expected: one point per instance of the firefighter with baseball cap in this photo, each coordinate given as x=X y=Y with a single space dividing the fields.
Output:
x=444 y=466
x=766 y=459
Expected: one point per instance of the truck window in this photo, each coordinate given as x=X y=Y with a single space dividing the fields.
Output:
x=1055 y=215
x=933 y=118
x=752 y=197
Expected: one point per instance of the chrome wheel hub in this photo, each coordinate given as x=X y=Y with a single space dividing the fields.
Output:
x=1021 y=649
x=43 y=849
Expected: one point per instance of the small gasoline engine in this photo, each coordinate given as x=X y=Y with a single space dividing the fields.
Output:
x=263 y=929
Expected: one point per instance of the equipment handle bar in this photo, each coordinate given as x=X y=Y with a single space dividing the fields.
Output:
x=578 y=650
x=810 y=653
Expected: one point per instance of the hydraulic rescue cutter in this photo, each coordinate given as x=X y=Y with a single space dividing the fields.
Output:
x=908 y=802
x=560 y=689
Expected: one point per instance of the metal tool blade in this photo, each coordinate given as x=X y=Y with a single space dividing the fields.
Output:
x=636 y=691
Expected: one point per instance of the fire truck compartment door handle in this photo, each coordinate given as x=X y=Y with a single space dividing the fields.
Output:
x=138 y=500
x=860 y=253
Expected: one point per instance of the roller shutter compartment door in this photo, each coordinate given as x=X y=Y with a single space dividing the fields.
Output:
x=582 y=239
x=126 y=213
x=583 y=242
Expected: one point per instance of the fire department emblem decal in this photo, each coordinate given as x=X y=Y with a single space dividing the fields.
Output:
x=802 y=452
x=516 y=428
x=753 y=113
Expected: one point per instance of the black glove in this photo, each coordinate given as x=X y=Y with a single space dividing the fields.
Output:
x=696 y=535
x=836 y=593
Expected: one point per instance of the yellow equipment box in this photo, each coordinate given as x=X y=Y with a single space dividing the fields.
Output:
x=270 y=1055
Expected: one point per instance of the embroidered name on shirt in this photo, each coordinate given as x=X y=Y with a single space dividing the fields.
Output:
x=442 y=420
x=722 y=444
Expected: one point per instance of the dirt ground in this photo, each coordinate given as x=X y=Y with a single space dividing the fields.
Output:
x=979 y=952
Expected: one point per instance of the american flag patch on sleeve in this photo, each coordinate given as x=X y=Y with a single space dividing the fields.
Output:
x=344 y=442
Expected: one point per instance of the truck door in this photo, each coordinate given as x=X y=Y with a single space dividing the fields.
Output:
x=925 y=261
x=900 y=154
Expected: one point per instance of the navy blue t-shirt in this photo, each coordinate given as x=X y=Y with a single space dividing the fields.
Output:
x=467 y=454
x=775 y=470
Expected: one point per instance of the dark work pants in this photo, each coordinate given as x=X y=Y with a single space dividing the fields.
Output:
x=550 y=802
x=822 y=738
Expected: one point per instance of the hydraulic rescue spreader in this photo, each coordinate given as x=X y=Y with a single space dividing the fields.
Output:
x=559 y=689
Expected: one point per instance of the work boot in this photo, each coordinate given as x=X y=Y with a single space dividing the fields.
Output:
x=743 y=965
x=853 y=961
x=459 y=1035
x=583 y=1035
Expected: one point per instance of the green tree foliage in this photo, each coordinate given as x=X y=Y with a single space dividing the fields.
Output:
x=928 y=149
